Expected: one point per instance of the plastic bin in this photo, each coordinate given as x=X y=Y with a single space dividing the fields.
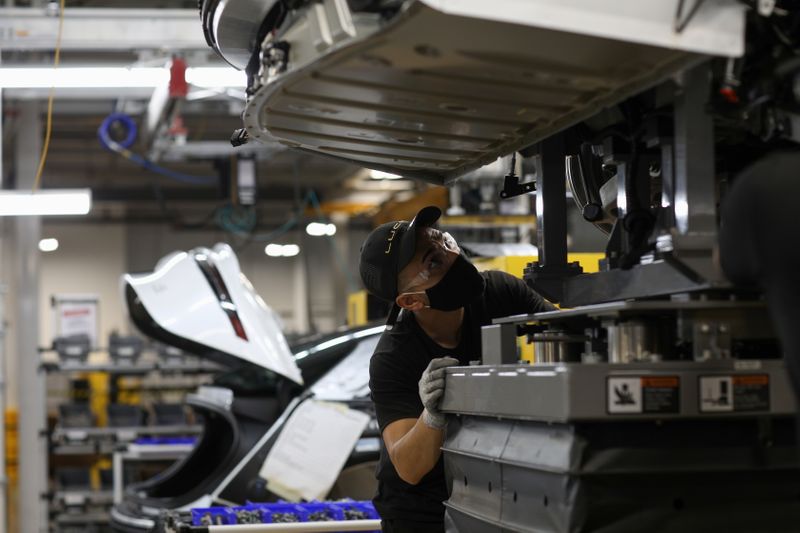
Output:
x=272 y=513
x=213 y=516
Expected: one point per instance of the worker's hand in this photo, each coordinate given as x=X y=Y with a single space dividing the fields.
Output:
x=431 y=389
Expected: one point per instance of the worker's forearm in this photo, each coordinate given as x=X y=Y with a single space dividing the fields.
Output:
x=416 y=453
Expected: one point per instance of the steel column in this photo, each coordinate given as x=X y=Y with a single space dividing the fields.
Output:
x=695 y=199
x=551 y=204
x=32 y=422
x=547 y=275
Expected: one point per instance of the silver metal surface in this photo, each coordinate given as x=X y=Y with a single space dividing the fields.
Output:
x=31 y=402
x=695 y=199
x=236 y=24
x=555 y=347
x=434 y=94
x=629 y=342
x=101 y=29
x=574 y=392
x=499 y=344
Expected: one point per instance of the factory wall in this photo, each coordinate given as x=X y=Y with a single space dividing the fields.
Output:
x=89 y=260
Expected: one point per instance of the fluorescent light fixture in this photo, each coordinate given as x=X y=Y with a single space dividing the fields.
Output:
x=290 y=250
x=45 y=202
x=82 y=77
x=379 y=175
x=216 y=77
x=282 y=250
x=113 y=77
x=48 y=245
x=320 y=229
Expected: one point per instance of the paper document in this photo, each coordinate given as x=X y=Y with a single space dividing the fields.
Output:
x=311 y=450
x=349 y=379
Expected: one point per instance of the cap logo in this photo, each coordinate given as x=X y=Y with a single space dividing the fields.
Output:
x=391 y=237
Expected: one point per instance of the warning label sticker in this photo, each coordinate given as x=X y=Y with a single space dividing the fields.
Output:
x=651 y=394
x=738 y=393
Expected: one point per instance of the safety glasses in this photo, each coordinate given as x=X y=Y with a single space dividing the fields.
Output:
x=440 y=250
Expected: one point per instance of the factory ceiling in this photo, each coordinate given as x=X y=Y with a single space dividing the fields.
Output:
x=125 y=191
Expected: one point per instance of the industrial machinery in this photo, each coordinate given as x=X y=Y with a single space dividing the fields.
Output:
x=434 y=88
x=200 y=302
x=659 y=398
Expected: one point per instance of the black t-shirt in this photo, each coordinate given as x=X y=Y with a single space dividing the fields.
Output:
x=399 y=360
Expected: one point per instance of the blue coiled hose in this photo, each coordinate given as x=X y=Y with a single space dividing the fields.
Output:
x=122 y=148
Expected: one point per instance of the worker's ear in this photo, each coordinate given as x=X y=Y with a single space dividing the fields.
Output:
x=413 y=301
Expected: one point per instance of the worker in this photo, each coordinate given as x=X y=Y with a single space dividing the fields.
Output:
x=440 y=301
x=758 y=244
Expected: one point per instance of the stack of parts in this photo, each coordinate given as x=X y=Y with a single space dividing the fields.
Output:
x=284 y=512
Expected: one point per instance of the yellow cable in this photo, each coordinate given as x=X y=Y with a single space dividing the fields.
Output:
x=49 y=128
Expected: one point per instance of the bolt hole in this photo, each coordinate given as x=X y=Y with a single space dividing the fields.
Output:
x=407 y=141
x=546 y=501
x=427 y=50
x=466 y=483
x=515 y=496
x=678 y=504
x=490 y=486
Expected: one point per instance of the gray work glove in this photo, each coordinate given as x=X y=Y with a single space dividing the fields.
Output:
x=431 y=389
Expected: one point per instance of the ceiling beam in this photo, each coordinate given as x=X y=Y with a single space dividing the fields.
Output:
x=102 y=29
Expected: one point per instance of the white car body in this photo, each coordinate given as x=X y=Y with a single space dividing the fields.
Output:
x=182 y=300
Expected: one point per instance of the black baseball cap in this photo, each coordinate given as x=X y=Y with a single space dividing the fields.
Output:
x=388 y=249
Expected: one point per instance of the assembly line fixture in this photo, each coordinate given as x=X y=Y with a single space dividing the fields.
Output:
x=678 y=404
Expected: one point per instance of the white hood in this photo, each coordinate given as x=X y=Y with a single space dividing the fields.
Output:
x=202 y=298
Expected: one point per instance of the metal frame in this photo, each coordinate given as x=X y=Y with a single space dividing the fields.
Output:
x=547 y=274
x=560 y=392
x=32 y=420
x=685 y=261
x=284 y=87
x=138 y=452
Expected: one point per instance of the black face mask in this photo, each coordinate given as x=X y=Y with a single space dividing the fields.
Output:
x=462 y=285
